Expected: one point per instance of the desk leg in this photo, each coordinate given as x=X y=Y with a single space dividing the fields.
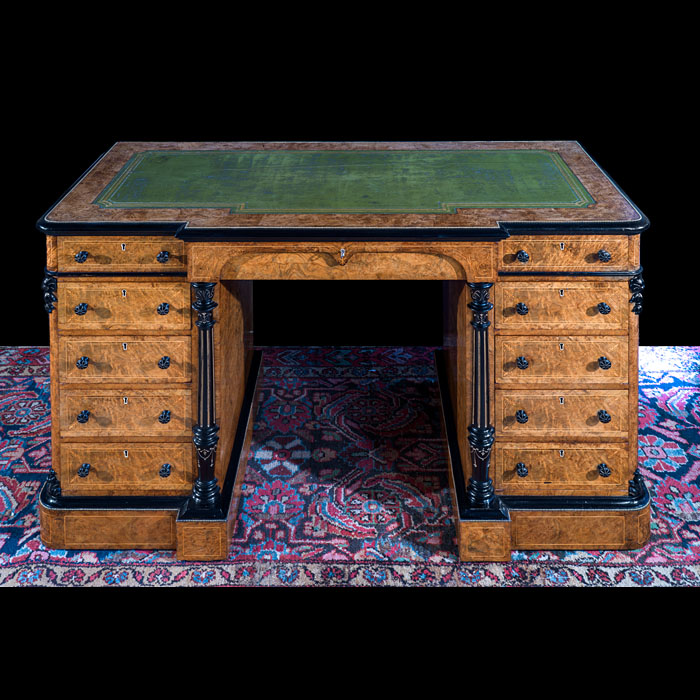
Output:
x=206 y=494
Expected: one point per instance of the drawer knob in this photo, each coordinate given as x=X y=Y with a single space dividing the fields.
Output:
x=604 y=363
x=603 y=308
x=83 y=417
x=522 y=363
x=163 y=256
x=165 y=471
x=522 y=256
x=82 y=362
x=83 y=470
x=164 y=416
x=604 y=416
x=521 y=416
x=604 y=470
x=164 y=362
x=521 y=469
x=163 y=308
x=81 y=257
x=521 y=308
x=80 y=309
x=604 y=256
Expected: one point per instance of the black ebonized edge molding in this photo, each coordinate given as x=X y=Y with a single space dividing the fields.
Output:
x=637 y=498
x=579 y=273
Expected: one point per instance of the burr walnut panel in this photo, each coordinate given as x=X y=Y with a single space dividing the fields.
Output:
x=571 y=305
x=562 y=469
x=126 y=412
x=127 y=469
x=570 y=413
x=582 y=359
x=120 y=254
x=566 y=253
x=125 y=359
x=100 y=305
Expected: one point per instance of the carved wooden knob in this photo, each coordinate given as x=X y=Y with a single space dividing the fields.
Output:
x=522 y=362
x=521 y=309
x=81 y=309
x=604 y=470
x=603 y=308
x=164 y=362
x=521 y=416
x=82 y=362
x=521 y=469
x=83 y=417
x=83 y=470
x=163 y=308
x=165 y=471
x=81 y=257
x=522 y=256
x=163 y=256
x=604 y=416
x=164 y=416
x=604 y=256
x=604 y=363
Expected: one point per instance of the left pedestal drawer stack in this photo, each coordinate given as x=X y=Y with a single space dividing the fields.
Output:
x=121 y=366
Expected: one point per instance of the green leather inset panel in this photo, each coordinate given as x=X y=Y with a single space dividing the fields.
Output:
x=345 y=181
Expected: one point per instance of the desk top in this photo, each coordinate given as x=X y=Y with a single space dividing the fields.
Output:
x=263 y=190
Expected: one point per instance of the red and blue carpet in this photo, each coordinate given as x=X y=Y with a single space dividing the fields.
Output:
x=346 y=484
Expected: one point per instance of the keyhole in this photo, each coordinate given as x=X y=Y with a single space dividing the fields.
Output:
x=561 y=399
x=561 y=346
x=123 y=292
x=561 y=453
x=561 y=292
x=126 y=453
x=126 y=400
x=123 y=247
x=124 y=346
x=561 y=246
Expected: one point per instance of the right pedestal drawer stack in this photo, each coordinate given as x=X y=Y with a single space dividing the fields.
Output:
x=565 y=358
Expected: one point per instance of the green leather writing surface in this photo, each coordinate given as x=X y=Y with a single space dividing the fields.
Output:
x=348 y=181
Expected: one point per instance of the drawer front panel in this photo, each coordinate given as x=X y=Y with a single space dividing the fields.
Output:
x=566 y=413
x=524 y=468
x=565 y=254
x=111 y=412
x=526 y=306
x=589 y=360
x=125 y=359
x=126 y=469
x=90 y=254
x=123 y=305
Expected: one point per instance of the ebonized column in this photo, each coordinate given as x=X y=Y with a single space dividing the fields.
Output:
x=206 y=494
x=480 y=491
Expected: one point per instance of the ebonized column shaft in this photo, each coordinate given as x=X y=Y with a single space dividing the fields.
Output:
x=480 y=491
x=206 y=492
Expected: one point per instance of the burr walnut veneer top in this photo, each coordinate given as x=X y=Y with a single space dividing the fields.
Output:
x=306 y=185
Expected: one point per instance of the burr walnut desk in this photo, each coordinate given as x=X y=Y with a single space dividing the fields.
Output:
x=151 y=259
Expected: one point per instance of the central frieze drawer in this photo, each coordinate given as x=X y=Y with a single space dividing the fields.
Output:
x=142 y=412
x=125 y=469
x=587 y=360
x=122 y=359
x=116 y=254
x=566 y=413
x=526 y=306
x=123 y=305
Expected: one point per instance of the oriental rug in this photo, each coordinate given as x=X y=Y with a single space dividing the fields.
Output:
x=346 y=484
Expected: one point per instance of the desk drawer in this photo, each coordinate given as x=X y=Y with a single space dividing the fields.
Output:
x=586 y=360
x=565 y=254
x=125 y=359
x=591 y=306
x=117 y=254
x=562 y=413
x=97 y=305
x=126 y=469
x=541 y=469
x=112 y=412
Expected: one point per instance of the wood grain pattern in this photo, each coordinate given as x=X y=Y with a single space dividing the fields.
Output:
x=107 y=529
x=123 y=305
x=126 y=412
x=202 y=540
x=562 y=469
x=548 y=416
x=125 y=469
x=482 y=540
x=126 y=359
x=558 y=361
x=120 y=254
x=560 y=253
x=565 y=305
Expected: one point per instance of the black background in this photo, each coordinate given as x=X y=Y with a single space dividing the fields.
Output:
x=60 y=133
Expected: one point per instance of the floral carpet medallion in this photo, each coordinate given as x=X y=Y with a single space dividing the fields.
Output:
x=346 y=483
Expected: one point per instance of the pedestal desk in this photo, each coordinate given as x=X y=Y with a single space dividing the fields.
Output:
x=151 y=259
